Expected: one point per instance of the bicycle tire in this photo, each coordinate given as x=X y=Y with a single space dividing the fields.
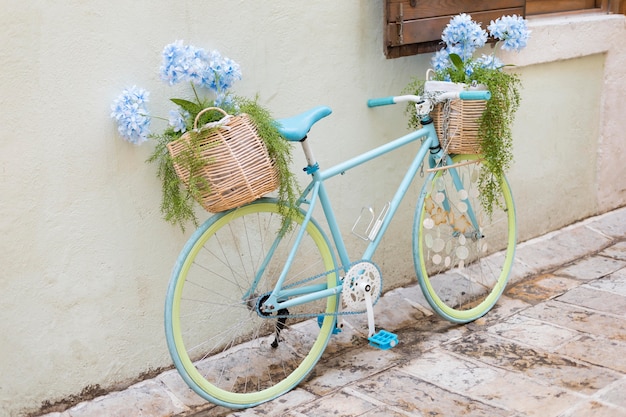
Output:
x=462 y=271
x=219 y=341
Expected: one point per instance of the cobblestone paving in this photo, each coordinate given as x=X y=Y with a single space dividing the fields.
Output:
x=554 y=345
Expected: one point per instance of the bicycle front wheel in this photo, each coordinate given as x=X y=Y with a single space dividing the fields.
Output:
x=463 y=255
x=225 y=349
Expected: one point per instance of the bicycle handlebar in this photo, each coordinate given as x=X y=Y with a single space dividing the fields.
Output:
x=463 y=95
x=382 y=101
x=475 y=95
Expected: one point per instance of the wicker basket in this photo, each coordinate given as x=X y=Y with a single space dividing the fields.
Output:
x=239 y=169
x=456 y=121
x=457 y=124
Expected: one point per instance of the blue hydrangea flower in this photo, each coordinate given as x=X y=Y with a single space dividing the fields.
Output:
x=183 y=63
x=180 y=63
x=512 y=30
x=205 y=69
x=489 y=62
x=221 y=73
x=177 y=120
x=230 y=72
x=212 y=70
x=464 y=34
x=464 y=52
x=195 y=64
x=174 y=61
x=441 y=60
x=131 y=114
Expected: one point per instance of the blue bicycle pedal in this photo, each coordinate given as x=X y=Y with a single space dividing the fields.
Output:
x=383 y=340
x=320 y=321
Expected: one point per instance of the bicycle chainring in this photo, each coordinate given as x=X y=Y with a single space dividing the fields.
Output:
x=362 y=276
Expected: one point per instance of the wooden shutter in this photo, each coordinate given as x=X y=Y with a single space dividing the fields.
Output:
x=556 y=6
x=414 y=26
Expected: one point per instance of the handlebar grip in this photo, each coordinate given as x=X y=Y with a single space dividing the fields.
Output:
x=475 y=95
x=382 y=101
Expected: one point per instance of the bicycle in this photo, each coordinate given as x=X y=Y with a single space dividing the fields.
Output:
x=250 y=307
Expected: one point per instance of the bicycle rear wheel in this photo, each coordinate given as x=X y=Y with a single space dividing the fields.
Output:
x=223 y=347
x=463 y=255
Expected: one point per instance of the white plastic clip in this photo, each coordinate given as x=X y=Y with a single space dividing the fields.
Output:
x=379 y=222
x=369 y=225
x=373 y=227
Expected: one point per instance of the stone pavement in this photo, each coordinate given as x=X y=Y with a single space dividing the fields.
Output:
x=555 y=345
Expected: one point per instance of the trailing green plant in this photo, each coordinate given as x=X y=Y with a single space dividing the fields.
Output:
x=203 y=70
x=495 y=131
x=176 y=201
x=455 y=63
x=280 y=152
x=416 y=87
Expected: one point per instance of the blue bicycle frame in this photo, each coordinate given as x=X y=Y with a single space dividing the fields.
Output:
x=282 y=298
x=316 y=191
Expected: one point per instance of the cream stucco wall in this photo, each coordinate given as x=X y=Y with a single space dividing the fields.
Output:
x=572 y=117
x=85 y=255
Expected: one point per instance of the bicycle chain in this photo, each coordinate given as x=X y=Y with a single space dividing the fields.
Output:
x=321 y=314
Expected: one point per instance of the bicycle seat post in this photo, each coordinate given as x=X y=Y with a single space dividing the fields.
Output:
x=296 y=129
x=312 y=165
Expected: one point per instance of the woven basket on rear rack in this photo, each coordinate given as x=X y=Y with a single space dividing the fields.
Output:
x=238 y=168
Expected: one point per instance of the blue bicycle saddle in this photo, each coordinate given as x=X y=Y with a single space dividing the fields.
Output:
x=296 y=128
